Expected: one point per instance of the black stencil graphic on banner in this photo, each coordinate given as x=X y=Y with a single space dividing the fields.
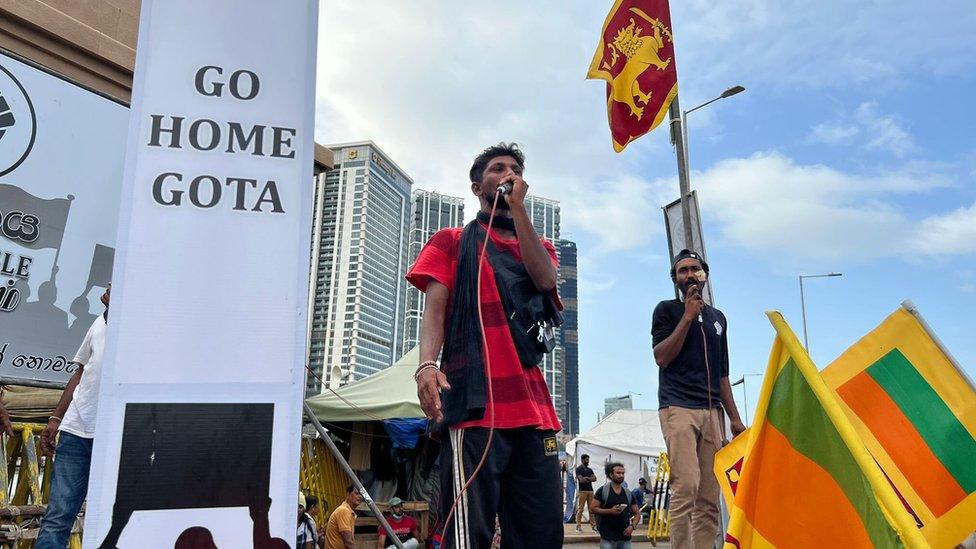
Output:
x=192 y=456
x=18 y=122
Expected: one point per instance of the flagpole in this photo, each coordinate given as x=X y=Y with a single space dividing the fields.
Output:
x=913 y=310
x=684 y=186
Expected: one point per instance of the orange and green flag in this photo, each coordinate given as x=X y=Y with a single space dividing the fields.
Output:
x=807 y=480
x=635 y=56
x=915 y=411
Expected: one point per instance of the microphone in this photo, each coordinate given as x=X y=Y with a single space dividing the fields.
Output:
x=697 y=295
x=504 y=188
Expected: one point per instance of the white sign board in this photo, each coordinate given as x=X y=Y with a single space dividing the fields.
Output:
x=675 y=228
x=61 y=153
x=199 y=413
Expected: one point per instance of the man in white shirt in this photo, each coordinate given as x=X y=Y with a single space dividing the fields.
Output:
x=74 y=418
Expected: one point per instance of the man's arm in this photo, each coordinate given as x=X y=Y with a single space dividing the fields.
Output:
x=666 y=351
x=432 y=381
x=597 y=510
x=51 y=429
x=534 y=255
x=381 y=539
x=347 y=540
x=635 y=518
x=729 y=404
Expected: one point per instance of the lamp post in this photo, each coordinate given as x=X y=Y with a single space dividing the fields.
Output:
x=745 y=394
x=679 y=137
x=803 y=306
x=684 y=122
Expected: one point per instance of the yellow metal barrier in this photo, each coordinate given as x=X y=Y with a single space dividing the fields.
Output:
x=322 y=477
x=25 y=485
x=657 y=524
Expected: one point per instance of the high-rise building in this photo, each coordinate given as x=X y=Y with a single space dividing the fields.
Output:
x=544 y=214
x=568 y=339
x=359 y=258
x=612 y=404
x=431 y=212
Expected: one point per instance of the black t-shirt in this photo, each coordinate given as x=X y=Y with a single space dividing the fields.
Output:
x=584 y=471
x=683 y=382
x=611 y=527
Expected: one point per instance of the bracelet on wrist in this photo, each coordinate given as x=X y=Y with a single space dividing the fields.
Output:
x=427 y=365
x=54 y=417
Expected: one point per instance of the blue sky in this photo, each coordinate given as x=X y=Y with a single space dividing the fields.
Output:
x=852 y=150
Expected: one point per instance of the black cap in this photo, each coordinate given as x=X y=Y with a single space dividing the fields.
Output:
x=641 y=481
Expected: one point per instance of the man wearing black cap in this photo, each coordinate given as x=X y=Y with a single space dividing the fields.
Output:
x=691 y=349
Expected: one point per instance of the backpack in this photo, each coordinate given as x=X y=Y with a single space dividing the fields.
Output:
x=601 y=495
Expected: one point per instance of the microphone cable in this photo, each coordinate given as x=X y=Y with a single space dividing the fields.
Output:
x=487 y=358
x=712 y=421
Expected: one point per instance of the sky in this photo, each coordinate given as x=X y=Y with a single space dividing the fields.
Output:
x=852 y=150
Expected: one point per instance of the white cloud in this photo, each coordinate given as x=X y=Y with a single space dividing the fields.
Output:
x=432 y=86
x=950 y=233
x=832 y=44
x=595 y=284
x=833 y=133
x=886 y=132
x=880 y=132
x=814 y=212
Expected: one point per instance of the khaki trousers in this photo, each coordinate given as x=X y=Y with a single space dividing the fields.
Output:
x=692 y=437
x=583 y=502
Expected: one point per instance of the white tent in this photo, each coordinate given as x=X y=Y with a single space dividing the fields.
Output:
x=632 y=437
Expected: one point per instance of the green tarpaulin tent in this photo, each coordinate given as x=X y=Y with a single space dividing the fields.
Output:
x=388 y=394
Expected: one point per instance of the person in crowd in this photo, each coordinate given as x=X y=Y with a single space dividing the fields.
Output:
x=341 y=528
x=615 y=508
x=403 y=526
x=584 y=492
x=73 y=424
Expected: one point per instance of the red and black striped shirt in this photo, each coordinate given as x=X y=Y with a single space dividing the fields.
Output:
x=521 y=397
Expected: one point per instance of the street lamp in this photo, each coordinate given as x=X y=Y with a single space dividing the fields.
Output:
x=745 y=395
x=803 y=306
x=684 y=123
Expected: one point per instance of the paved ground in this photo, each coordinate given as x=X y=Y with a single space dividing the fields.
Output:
x=638 y=545
x=589 y=539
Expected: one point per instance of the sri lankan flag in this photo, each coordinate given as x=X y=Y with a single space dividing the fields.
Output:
x=635 y=56
x=807 y=481
x=916 y=413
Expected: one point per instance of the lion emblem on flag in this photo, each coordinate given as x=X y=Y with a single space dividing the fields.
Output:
x=642 y=52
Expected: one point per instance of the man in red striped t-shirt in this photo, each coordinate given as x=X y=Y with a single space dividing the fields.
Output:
x=520 y=479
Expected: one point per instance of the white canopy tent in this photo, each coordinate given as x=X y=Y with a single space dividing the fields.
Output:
x=632 y=437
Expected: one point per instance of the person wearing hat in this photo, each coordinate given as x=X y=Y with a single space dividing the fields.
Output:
x=306 y=528
x=641 y=495
x=691 y=349
x=405 y=528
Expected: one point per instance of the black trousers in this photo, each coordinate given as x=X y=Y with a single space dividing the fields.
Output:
x=519 y=484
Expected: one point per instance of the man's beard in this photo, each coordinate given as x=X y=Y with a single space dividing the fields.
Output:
x=683 y=286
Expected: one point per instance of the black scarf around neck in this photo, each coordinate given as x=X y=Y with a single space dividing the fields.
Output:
x=462 y=361
x=499 y=222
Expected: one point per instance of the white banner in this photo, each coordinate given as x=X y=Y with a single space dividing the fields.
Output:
x=61 y=153
x=674 y=227
x=199 y=413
